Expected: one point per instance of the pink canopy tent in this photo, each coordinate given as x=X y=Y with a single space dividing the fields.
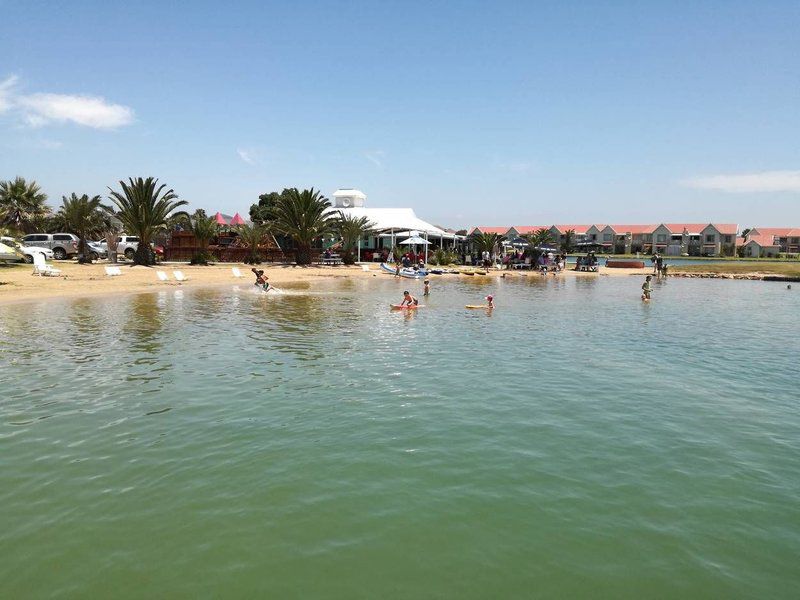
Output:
x=219 y=219
x=237 y=220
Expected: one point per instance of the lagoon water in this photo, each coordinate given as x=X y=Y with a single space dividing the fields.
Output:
x=574 y=443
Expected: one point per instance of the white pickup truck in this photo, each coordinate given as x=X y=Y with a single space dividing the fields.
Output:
x=127 y=245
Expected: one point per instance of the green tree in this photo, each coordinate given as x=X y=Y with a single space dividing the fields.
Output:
x=251 y=237
x=304 y=217
x=203 y=228
x=568 y=245
x=486 y=242
x=351 y=229
x=262 y=211
x=540 y=237
x=83 y=216
x=22 y=204
x=143 y=208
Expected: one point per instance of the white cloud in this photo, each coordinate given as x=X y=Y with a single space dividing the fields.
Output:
x=245 y=156
x=766 y=181
x=90 y=111
x=42 y=109
x=375 y=157
x=6 y=89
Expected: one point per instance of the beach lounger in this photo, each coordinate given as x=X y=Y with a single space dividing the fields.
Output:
x=236 y=272
x=162 y=276
x=113 y=271
x=179 y=276
x=40 y=267
x=365 y=267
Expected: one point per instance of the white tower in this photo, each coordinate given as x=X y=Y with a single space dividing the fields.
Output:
x=348 y=198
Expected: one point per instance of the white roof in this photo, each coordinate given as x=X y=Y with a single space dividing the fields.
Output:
x=400 y=219
x=349 y=193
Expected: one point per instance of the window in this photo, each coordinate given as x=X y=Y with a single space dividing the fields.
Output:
x=661 y=238
x=133 y=238
x=606 y=237
x=728 y=239
x=711 y=238
x=35 y=238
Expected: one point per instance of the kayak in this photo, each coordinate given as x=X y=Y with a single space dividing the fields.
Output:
x=406 y=306
x=478 y=306
x=405 y=272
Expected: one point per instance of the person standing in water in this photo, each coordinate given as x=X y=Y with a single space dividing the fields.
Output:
x=426 y=290
x=646 y=289
x=490 y=301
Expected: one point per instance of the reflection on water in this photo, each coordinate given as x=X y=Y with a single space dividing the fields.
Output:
x=308 y=432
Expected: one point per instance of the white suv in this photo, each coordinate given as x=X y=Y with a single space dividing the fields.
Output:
x=127 y=245
x=63 y=245
x=27 y=251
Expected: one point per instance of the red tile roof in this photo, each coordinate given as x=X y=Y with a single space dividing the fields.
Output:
x=525 y=229
x=483 y=229
x=779 y=231
x=579 y=229
x=762 y=240
x=637 y=229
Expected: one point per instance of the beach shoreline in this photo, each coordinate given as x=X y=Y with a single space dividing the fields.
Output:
x=78 y=281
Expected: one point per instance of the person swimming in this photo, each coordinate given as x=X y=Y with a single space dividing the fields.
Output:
x=408 y=299
x=490 y=301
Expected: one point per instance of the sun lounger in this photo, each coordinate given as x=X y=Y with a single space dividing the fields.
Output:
x=236 y=272
x=113 y=271
x=40 y=267
x=162 y=276
x=365 y=267
x=179 y=276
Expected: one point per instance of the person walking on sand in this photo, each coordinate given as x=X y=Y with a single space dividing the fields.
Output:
x=646 y=289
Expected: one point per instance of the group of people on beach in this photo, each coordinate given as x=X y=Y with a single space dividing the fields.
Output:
x=659 y=266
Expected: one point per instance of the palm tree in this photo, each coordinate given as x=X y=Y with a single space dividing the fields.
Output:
x=540 y=237
x=203 y=228
x=83 y=216
x=304 y=217
x=143 y=210
x=351 y=229
x=252 y=236
x=22 y=203
x=568 y=245
x=487 y=242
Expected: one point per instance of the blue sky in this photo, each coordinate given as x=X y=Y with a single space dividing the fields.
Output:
x=471 y=113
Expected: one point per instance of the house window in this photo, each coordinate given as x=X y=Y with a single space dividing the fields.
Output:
x=728 y=239
x=606 y=237
x=711 y=238
x=661 y=238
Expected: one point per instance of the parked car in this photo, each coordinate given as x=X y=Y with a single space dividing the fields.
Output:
x=127 y=245
x=8 y=253
x=96 y=250
x=27 y=251
x=63 y=245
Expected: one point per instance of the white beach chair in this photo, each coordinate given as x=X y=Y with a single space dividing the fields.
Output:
x=113 y=271
x=365 y=267
x=162 y=276
x=236 y=272
x=40 y=266
x=179 y=276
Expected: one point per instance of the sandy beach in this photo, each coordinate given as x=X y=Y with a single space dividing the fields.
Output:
x=18 y=285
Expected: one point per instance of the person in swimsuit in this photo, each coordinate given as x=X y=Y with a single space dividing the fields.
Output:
x=647 y=288
x=408 y=299
x=426 y=291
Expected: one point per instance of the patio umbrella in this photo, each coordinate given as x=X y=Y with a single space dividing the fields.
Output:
x=414 y=240
x=237 y=220
x=219 y=219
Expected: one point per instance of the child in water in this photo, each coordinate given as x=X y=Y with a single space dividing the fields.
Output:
x=427 y=289
x=646 y=289
x=490 y=300
x=408 y=299
x=261 y=279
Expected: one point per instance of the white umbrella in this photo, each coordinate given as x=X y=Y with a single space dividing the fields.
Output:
x=413 y=241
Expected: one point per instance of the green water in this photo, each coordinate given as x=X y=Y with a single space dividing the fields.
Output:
x=574 y=443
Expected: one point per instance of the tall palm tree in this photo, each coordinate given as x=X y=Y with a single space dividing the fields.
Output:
x=143 y=208
x=487 y=242
x=540 y=237
x=203 y=228
x=568 y=245
x=351 y=229
x=251 y=237
x=304 y=217
x=83 y=216
x=21 y=204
